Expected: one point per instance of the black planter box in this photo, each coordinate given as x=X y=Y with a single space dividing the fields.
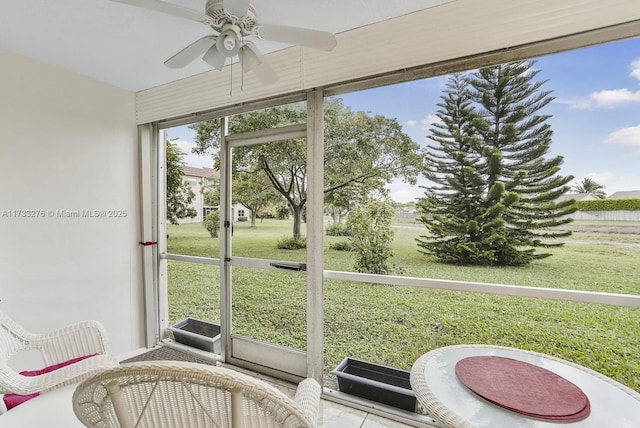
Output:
x=375 y=382
x=197 y=334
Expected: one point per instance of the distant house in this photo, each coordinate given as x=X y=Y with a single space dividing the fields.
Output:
x=629 y=194
x=199 y=179
x=577 y=196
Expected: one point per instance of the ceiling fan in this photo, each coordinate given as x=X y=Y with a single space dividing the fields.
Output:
x=233 y=21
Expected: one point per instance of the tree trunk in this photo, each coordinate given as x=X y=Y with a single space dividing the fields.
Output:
x=297 y=220
x=253 y=218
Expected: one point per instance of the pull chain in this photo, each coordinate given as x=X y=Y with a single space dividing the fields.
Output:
x=231 y=80
x=241 y=57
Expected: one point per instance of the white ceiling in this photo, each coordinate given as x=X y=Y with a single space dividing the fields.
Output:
x=126 y=46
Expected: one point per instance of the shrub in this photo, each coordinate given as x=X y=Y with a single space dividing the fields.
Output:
x=372 y=236
x=290 y=243
x=212 y=223
x=337 y=229
x=341 y=246
x=242 y=218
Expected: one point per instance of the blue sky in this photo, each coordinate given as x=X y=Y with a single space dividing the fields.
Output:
x=595 y=114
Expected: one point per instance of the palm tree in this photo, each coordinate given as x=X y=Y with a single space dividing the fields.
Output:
x=588 y=185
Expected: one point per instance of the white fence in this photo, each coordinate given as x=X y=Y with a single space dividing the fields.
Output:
x=607 y=215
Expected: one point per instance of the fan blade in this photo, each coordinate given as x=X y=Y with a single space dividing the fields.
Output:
x=265 y=74
x=214 y=58
x=191 y=52
x=168 y=8
x=238 y=8
x=251 y=57
x=252 y=61
x=298 y=36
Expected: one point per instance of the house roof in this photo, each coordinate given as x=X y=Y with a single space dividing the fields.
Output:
x=628 y=194
x=202 y=172
x=576 y=196
x=125 y=46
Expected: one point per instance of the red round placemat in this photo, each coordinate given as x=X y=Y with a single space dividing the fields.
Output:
x=523 y=388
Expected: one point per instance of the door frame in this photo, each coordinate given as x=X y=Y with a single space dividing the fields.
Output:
x=261 y=356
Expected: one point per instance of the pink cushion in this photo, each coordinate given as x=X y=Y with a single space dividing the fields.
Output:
x=12 y=400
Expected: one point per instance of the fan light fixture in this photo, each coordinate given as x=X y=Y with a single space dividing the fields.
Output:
x=228 y=40
x=233 y=21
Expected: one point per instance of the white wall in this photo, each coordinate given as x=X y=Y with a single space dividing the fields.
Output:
x=607 y=215
x=68 y=143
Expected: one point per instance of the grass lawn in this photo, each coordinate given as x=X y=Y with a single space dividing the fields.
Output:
x=395 y=325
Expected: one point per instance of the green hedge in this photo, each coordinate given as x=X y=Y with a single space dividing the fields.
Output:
x=609 y=205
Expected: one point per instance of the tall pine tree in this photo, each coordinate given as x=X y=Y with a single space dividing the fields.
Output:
x=510 y=100
x=514 y=186
x=453 y=209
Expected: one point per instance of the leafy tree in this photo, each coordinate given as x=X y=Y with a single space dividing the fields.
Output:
x=497 y=201
x=363 y=154
x=587 y=185
x=283 y=212
x=255 y=192
x=211 y=195
x=372 y=235
x=339 y=203
x=363 y=150
x=179 y=193
x=283 y=163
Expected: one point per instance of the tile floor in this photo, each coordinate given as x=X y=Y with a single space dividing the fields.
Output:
x=333 y=415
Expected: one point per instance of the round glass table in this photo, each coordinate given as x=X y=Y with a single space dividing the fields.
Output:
x=451 y=403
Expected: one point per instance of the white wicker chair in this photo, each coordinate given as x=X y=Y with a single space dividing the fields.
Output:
x=171 y=394
x=78 y=340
